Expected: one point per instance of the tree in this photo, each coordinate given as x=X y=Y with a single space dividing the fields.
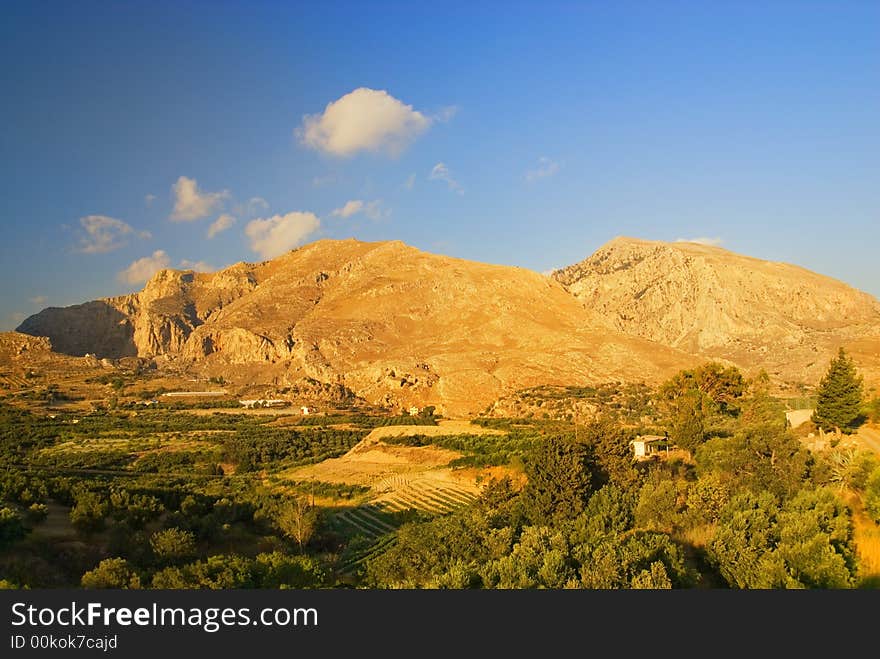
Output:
x=298 y=518
x=112 y=573
x=11 y=527
x=872 y=495
x=613 y=453
x=173 y=545
x=88 y=512
x=805 y=543
x=691 y=398
x=840 y=396
x=559 y=480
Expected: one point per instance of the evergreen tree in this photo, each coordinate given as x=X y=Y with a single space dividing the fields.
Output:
x=840 y=395
x=559 y=485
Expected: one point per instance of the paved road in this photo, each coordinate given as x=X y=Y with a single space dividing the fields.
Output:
x=870 y=437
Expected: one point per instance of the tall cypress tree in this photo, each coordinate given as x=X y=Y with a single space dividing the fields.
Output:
x=840 y=395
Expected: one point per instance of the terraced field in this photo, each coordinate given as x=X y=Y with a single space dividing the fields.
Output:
x=377 y=521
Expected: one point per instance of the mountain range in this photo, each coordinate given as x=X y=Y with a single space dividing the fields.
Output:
x=399 y=326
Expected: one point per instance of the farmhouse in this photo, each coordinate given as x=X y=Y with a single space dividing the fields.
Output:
x=304 y=410
x=647 y=446
x=414 y=411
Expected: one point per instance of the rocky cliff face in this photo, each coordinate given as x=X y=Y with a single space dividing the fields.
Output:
x=394 y=325
x=401 y=327
x=709 y=301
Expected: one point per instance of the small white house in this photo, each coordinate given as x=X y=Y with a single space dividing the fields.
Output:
x=304 y=410
x=646 y=446
x=414 y=411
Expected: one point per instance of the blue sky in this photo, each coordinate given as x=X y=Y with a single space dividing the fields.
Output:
x=130 y=128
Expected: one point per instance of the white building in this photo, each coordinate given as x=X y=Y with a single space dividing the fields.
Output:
x=646 y=446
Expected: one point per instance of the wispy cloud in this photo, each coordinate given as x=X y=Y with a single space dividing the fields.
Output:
x=105 y=234
x=142 y=269
x=544 y=169
x=190 y=203
x=440 y=172
x=220 y=225
x=375 y=210
x=410 y=182
x=39 y=300
x=363 y=120
x=273 y=236
x=257 y=204
x=351 y=207
x=149 y=199
x=197 y=266
x=444 y=115
x=710 y=242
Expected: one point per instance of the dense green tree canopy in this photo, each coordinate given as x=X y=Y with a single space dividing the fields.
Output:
x=839 y=400
x=559 y=473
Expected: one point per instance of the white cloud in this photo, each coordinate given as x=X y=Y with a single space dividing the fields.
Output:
x=39 y=300
x=149 y=199
x=363 y=120
x=410 y=182
x=273 y=236
x=17 y=317
x=372 y=209
x=103 y=234
x=220 y=224
x=446 y=114
x=190 y=203
x=144 y=235
x=141 y=270
x=440 y=172
x=257 y=204
x=710 y=242
x=351 y=208
x=197 y=266
x=545 y=169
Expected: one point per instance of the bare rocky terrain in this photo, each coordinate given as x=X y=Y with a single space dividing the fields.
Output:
x=396 y=326
x=711 y=302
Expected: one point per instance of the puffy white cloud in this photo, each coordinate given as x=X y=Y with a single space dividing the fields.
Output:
x=273 y=236
x=440 y=172
x=363 y=120
x=103 y=234
x=546 y=168
x=141 y=270
x=220 y=224
x=351 y=207
x=710 y=242
x=190 y=203
x=197 y=266
x=39 y=300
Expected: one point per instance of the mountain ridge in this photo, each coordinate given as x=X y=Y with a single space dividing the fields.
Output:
x=399 y=326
